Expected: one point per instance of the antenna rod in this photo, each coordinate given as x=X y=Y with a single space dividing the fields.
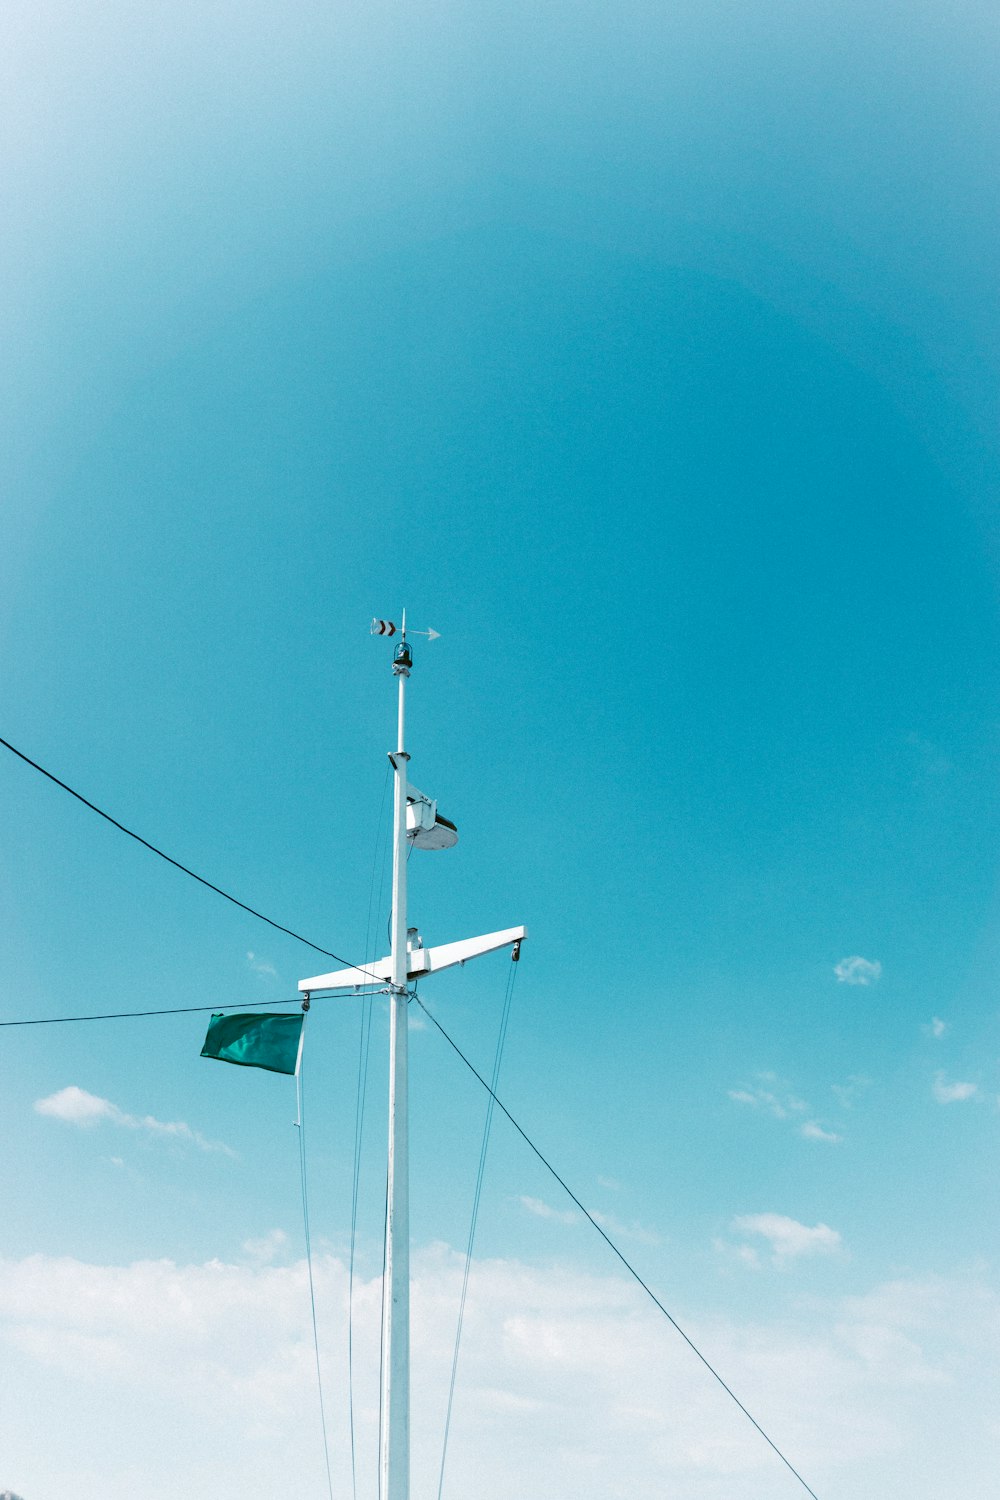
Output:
x=394 y=1458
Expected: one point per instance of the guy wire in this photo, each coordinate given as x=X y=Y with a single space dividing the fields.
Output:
x=497 y=1056
x=612 y=1246
x=303 y=1182
x=364 y=1042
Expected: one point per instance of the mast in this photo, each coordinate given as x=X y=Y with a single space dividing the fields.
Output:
x=394 y=1459
x=417 y=824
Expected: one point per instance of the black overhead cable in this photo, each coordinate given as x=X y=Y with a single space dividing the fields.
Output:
x=190 y=1009
x=279 y=927
x=328 y=953
x=610 y=1242
x=130 y=1015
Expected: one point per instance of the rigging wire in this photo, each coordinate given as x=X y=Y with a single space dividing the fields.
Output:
x=364 y=1051
x=278 y=926
x=329 y=953
x=304 y=1185
x=611 y=1244
x=177 y=1010
x=381 y=1333
x=364 y=1046
x=497 y=1056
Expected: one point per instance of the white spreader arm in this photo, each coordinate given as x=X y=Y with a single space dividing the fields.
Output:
x=419 y=961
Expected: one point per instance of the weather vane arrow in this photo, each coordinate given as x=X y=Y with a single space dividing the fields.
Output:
x=387 y=627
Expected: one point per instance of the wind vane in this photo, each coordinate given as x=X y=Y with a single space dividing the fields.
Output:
x=418 y=824
x=386 y=627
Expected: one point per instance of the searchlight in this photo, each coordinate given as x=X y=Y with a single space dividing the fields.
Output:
x=425 y=827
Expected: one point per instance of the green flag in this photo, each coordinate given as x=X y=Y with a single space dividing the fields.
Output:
x=255 y=1041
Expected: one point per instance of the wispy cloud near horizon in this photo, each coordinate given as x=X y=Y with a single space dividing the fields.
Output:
x=789 y=1240
x=543 y=1210
x=266 y=1247
x=557 y=1350
x=75 y=1106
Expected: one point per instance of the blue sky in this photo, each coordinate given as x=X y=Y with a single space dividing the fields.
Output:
x=651 y=358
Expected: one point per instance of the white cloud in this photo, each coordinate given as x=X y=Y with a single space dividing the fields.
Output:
x=570 y=1384
x=76 y=1107
x=620 y=1231
x=936 y=1028
x=768 y=1093
x=543 y=1210
x=788 y=1238
x=952 y=1093
x=742 y=1254
x=615 y=1228
x=858 y=970
x=261 y=966
x=611 y=1183
x=267 y=1247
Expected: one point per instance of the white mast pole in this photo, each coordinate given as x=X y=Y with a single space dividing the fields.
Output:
x=395 y=1447
x=430 y=832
